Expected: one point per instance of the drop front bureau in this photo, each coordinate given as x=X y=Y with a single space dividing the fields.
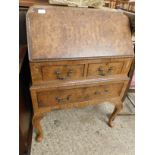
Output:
x=77 y=57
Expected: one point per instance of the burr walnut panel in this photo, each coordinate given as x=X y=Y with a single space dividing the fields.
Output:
x=69 y=32
x=60 y=96
x=57 y=71
x=103 y=69
x=62 y=72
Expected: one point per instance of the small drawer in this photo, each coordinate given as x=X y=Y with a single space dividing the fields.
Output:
x=60 y=96
x=62 y=72
x=104 y=69
x=51 y=72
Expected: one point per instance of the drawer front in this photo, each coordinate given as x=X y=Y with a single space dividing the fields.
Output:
x=44 y=72
x=66 y=96
x=57 y=71
x=62 y=72
x=104 y=69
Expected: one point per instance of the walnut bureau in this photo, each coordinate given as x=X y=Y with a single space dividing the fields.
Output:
x=77 y=57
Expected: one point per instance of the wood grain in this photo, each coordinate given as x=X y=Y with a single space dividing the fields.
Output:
x=57 y=97
x=68 y=32
x=70 y=70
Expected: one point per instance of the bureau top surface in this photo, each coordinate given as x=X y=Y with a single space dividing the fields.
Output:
x=56 y=32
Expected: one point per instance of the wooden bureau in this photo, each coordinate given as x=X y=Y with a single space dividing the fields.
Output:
x=78 y=57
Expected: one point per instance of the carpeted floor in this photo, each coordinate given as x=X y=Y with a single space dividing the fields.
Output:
x=85 y=132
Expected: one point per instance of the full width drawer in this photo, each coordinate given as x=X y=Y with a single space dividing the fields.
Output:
x=56 y=97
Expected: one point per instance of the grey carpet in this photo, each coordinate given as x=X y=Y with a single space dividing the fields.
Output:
x=85 y=132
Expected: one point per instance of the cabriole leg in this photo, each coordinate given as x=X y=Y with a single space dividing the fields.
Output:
x=117 y=109
x=37 y=126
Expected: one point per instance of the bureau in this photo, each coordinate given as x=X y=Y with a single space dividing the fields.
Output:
x=78 y=57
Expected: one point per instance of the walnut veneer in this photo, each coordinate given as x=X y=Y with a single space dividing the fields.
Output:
x=78 y=57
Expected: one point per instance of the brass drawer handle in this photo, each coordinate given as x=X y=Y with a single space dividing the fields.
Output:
x=60 y=77
x=101 y=70
x=58 y=74
x=110 y=69
x=63 y=100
